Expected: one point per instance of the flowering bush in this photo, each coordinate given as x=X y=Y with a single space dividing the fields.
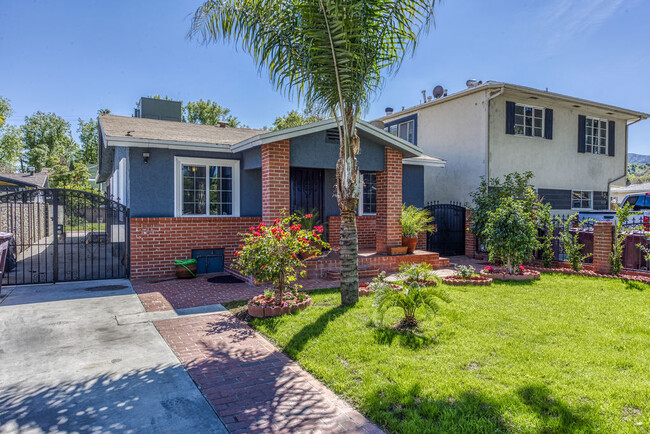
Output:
x=271 y=253
x=488 y=269
x=465 y=271
x=522 y=269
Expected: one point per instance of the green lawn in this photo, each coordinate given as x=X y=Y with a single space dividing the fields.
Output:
x=85 y=227
x=564 y=354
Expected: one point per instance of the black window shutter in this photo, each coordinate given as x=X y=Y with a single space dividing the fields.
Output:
x=510 y=117
x=548 y=123
x=581 y=133
x=611 y=131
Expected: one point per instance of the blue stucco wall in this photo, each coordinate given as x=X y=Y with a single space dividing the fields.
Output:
x=314 y=150
x=413 y=185
x=152 y=184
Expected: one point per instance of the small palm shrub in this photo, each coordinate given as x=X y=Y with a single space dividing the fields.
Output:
x=570 y=239
x=417 y=273
x=409 y=297
x=415 y=220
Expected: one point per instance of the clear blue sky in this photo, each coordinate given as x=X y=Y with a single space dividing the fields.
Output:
x=75 y=57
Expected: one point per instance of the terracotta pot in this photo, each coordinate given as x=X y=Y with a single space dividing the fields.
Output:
x=410 y=243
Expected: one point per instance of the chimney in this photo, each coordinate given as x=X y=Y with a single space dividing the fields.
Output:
x=389 y=111
x=222 y=124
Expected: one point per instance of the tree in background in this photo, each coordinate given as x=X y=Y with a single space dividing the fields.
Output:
x=72 y=176
x=295 y=119
x=48 y=140
x=11 y=147
x=89 y=138
x=332 y=53
x=208 y=113
x=5 y=110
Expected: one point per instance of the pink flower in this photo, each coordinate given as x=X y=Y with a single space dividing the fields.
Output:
x=252 y=229
x=257 y=234
x=318 y=229
x=308 y=216
x=488 y=269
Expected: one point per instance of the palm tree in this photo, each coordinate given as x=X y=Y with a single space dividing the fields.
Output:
x=331 y=53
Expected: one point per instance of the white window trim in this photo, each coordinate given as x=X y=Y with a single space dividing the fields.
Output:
x=543 y=109
x=360 y=211
x=591 y=200
x=178 y=184
x=606 y=153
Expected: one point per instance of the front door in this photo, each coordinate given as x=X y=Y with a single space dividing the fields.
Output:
x=307 y=191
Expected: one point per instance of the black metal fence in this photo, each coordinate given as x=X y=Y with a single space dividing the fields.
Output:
x=64 y=235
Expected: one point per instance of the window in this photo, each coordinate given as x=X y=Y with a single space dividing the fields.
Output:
x=529 y=121
x=368 y=202
x=207 y=187
x=595 y=136
x=404 y=129
x=581 y=199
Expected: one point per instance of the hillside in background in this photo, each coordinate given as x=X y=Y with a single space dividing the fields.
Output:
x=638 y=158
x=638 y=168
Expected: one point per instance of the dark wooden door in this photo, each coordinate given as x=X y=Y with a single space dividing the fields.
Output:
x=307 y=190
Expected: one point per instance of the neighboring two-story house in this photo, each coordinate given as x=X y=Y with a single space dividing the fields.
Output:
x=577 y=149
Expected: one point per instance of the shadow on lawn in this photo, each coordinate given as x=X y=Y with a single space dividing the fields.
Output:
x=313 y=329
x=405 y=338
x=403 y=409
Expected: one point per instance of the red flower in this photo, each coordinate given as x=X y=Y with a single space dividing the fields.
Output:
x=276 y=221
x=252 y=229
x=237 y=253
x=318 y=229
x=308 y=216
x=294 y=256
x=257 y=234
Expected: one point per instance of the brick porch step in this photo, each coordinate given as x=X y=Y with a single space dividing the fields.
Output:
x=364 y=273
x=443 y=262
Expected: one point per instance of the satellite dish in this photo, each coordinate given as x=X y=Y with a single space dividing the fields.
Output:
x=438 y=91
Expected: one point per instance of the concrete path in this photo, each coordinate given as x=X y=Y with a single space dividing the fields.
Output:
x=67 y=366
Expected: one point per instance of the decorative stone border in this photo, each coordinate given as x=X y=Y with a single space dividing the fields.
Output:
x=364 y=290
x=473 y=281
x=269 y=311
x=624 y=275
x=528 y=275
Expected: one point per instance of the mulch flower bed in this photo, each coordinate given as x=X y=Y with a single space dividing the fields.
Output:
x=472 y=281
x=262 y=307
x=625 y=275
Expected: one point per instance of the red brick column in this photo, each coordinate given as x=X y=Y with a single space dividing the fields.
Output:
x=603 y=240
x=389 y=201
x=366 y=225
x=275 y=180
x=470 y=238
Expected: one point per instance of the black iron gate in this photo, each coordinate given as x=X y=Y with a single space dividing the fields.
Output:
x=449 y=237
x=64 y=235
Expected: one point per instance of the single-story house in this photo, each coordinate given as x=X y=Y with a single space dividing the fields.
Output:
x=10 y=182
x=194 y=188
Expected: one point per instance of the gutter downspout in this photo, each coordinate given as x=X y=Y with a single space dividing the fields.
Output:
x=487 y=145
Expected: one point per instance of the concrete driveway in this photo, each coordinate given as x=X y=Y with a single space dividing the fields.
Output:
x=67 y=366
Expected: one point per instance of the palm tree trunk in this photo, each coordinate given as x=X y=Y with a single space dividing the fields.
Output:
x=349 y=258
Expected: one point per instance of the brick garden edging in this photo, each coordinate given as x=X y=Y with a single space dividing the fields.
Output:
x=473 y=281
x=528 y=275
x=625 y=275
x=269 y=311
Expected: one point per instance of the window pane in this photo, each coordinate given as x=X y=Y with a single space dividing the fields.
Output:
x=193 y=189
x=538 y=132
x=519 y=129
x=369 y=193
x=538 y=122
x=519 y=120
x=519 y=109
x=538 y=113
x=529 y=131
x=529 y=111
x=221 y=190
x=588 y=122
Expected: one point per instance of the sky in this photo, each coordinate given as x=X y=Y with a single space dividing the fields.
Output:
x=76 y=57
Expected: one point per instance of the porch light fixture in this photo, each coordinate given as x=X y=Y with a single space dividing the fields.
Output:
x=145 y=157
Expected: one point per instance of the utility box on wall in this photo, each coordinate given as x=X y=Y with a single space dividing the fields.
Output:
x=208 y=260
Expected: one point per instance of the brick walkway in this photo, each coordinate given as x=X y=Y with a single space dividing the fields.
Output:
x=253 y=386
x=180 y=294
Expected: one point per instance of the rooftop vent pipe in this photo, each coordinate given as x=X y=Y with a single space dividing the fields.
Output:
x=389 y=111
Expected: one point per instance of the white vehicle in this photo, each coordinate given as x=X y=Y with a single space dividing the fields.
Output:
x=640 y=203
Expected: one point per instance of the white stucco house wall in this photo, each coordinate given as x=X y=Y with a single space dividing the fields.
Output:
x=577 y=149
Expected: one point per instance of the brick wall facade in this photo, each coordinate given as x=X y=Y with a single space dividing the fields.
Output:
x=389 y=201
x=275 y=180
x=157 y=242
x=366 y=230
x=603 y=239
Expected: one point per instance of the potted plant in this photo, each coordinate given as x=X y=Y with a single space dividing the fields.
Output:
x=413 y=221
x=185 y=268
x=271 y=254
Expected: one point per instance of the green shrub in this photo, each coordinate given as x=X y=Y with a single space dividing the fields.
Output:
x=415 y=220
x=465 y=271
x=570 y=239
x=620 y=234
x=546 y=242
x=417 y=273
x=511 y=234
x=409 y=298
